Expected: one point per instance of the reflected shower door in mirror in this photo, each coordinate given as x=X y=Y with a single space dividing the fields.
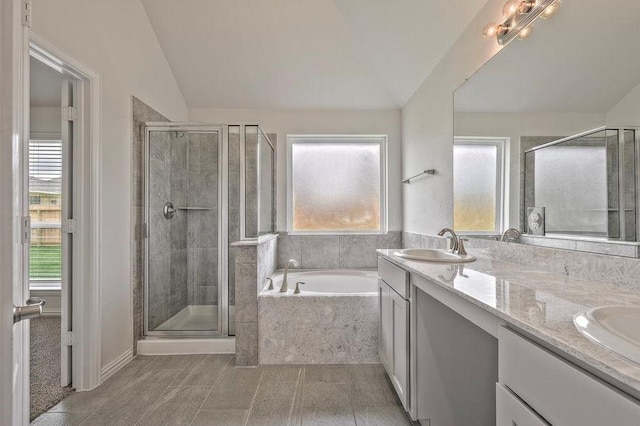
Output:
x=586 y=184
x=574 y=74
x=184 y=291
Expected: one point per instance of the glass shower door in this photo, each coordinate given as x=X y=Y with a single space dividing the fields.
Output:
x=184 y=294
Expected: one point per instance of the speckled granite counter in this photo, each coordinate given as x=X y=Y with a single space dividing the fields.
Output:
x=538 y=302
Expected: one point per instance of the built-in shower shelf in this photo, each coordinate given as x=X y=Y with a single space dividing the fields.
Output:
x=193 y=208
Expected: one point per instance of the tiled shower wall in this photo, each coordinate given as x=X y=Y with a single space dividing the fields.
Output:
x=168 y=180
x=335 y=251
x=202 y=237
x=142 y=113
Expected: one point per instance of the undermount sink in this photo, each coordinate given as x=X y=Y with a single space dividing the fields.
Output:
x=617 y=328
x=433 y=255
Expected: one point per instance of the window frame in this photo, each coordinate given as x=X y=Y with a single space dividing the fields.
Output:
x=380 y=139
x=38 y=284
x=501 y=144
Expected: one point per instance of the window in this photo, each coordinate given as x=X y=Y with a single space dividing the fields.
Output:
x=336 y=184
x=478 y=185
x=45 y=196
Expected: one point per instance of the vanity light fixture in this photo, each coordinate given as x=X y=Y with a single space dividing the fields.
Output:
x=519 y=15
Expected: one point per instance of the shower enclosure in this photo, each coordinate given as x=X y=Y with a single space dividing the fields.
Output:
x=202 y=186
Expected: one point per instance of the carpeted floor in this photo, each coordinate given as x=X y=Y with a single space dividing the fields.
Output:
x=45 y=365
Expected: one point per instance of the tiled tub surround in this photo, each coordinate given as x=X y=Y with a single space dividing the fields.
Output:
x=542 y=302
x=335 y=251
x=254 y=262
x=312 y=327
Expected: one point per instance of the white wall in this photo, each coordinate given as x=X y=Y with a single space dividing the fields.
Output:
x=45 y=120
x=427 y=127
x=627 y=111
x=516 y=125
x=114 y=38
x=284 y=122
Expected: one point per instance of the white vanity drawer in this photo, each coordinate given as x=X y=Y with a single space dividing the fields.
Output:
x=510 y=410
x=560 y=392
x=397 y=278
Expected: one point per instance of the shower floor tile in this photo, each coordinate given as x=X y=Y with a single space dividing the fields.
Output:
x=192 y=318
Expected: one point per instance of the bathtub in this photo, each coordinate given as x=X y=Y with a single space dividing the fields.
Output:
x=334 y=320
x=329 y=282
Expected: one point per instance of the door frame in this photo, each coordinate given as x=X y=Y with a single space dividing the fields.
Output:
x=86 y=312
x=17 y=40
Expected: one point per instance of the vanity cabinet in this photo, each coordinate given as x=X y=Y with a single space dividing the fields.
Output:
x=558 y=391
x=510 y=410
x=393 y=342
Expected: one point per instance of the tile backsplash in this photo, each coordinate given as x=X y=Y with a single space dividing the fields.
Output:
x=621 y=271
x=335 y=251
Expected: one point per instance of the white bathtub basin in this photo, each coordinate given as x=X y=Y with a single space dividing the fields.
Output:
x=338 y=282
x=617 y=328
x=433 y=255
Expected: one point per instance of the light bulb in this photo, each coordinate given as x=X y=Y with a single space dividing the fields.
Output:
x=525 y=32
x=511 y=7
x=490 y=30
x=551 y=10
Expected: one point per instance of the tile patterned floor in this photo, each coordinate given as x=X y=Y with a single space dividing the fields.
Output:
x=209 y=390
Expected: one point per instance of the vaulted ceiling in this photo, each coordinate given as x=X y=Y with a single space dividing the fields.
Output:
x=583 y=60
x=305 y=54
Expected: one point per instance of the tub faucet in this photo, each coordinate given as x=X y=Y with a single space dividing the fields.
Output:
x=511 y=234
x=285 y=286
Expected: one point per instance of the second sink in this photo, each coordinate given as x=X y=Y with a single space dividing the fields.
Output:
x=617 y=328
x=433 y=255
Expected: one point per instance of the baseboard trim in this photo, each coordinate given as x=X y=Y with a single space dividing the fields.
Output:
x=114 y=366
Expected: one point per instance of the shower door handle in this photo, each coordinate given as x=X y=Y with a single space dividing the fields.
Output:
x=168 y=210
x=33 y=309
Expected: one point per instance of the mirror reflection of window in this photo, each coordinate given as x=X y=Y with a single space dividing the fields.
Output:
x=478 y=185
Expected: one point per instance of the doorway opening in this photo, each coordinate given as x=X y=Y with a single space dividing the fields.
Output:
x=50 y=245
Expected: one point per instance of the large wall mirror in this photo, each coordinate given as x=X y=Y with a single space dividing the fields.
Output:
x=546 y=133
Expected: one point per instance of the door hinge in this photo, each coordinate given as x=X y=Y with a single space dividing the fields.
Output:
x=69 y=113
x=26 y=13
x=69 y=226
x=26 y=229
x=145 y=230
x=68 y=338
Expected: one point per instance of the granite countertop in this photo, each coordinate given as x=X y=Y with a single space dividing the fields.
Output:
x=539 y=302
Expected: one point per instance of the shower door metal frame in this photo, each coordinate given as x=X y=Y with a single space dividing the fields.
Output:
x=223 y=218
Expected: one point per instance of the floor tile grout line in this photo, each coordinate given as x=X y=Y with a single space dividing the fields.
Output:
x=253 y=400
x=224 y=369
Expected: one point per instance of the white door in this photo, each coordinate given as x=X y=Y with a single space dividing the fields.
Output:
x=68 y=228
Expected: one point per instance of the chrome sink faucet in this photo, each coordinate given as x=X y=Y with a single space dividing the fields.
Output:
x=511 y=234
x=454 y=239
x=457 y=243
x=285 y=287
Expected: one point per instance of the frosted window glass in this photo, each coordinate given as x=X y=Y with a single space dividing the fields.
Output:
x=336 y=186
x=474 y=187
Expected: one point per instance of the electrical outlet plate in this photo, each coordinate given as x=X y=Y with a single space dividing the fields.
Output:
x=535 y=220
